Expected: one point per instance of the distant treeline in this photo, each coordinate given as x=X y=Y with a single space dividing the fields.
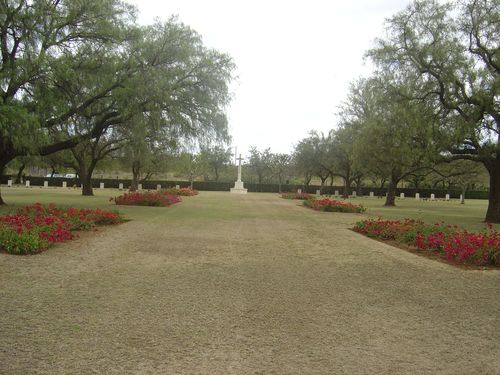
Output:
x=255 y=187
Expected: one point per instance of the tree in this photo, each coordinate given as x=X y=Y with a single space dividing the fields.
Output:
x=343 y=154
x=41 y=42
x=396 y=137
x=280 y=165
x=260 y=162
x=460 y=173
x=451 y=52
x=215 y=158
x=190 y=165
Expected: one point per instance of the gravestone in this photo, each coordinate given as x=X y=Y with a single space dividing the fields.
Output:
x=372 y=194
x=46 y=184
x=417 y=196
x=64 y=184
x=461 y=198
x=299 y=191
x=336 y=193
x=318 y=192
x=238 y=184
x=447 y=197
x=120 y=186
x=177 y=187
x=433 y=197
x=27 y=183
x=354 y=194
x=158 y=187
x=139 y=187
x=101 y=185
x=9 y=183
x=402 y=195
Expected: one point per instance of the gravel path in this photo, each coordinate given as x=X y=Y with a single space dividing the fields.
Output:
x=247 y=285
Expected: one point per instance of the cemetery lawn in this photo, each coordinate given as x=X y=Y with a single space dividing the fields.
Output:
x=243 y=284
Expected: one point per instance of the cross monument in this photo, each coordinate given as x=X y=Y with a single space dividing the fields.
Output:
x=238 y=185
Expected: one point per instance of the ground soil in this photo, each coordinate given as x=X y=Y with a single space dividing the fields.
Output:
x=243 y=284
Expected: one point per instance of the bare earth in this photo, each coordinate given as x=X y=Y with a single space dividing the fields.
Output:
x=225 y=284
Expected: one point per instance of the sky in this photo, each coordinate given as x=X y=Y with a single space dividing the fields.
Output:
x=295 y=59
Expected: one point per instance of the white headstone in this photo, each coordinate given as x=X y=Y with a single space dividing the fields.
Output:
x=299 y=191
x=64 y=184
x=372 y=195
x=433 y=197
x=46 y=184
x=9 y=183
x=27 y=183
x=447 y=197
x=139 y=187
x=354 y=193
x=417 y=196
x=120 y=186
x=177 y=187
x=158 y=187
x=101 y=185
x=461 y=197
x=402 y=195
x=336 y=193
x=318 y=192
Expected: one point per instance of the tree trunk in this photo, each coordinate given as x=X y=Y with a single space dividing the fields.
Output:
x=391 y=193
x=136 y=169
x=347 y=185
x=493 y=212
x=323 y=180
x=20 y=174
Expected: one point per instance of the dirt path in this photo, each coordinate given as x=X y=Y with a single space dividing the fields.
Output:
x=245 y=285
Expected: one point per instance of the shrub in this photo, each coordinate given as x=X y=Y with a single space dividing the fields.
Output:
x=186 y=192
x=447 y=240
x=296 y=196
x=332 y=205
x=33 y=228
x=148 y=198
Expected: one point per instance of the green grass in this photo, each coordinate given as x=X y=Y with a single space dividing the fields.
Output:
x=469 y=216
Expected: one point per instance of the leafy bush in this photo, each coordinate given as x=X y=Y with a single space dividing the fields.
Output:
x=447 y=240
x=296 y=196
x=186 y=192
x=33 y=228
x=332 y=205
x=148 y=198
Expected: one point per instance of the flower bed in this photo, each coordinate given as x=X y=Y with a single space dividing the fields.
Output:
x=147 y=198
x=296 y=196
x=33 y=228
x=332 y=205
x=185 y=192
x=479 y=248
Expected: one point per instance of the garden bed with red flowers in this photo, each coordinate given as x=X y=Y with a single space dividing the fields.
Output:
x=332 y=205
x=147 y=198
x=296 y=196
x=185 y=192
x=33 y=228
x=446 y=241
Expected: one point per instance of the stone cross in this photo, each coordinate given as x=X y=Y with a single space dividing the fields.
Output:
x=239 y=168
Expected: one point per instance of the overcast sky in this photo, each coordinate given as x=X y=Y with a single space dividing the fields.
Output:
x=295 y=59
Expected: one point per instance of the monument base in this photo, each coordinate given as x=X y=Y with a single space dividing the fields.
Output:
x=238 y=188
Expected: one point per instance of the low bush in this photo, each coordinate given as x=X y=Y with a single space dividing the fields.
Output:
x=147 y=198
x=296 y=196
x=332 y=205
x=33 y=228
x=186 y=192
x=480 y=248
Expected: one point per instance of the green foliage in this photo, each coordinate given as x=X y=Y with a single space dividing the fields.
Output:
x=21 y=243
